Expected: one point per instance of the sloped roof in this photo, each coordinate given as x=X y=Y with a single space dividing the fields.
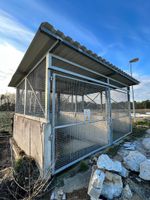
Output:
x=47 y=36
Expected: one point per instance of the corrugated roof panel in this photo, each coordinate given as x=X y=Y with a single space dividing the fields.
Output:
x=46 y=37
x=67 y=53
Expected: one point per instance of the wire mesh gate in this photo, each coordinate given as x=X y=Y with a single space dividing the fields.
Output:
x=79 y=119
x=120 y=113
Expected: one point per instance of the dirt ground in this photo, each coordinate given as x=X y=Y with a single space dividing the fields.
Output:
x=5 y=134
x=6 y=121
x=5 y=160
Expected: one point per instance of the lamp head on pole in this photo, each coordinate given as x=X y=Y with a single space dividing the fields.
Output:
x=134 y=60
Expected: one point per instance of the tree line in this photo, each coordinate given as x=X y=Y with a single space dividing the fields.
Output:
x=7 y=102
x=142 y=104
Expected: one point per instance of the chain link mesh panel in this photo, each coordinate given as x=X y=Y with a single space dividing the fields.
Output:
x=20 y=94
x=35 y=93
x=121 y=123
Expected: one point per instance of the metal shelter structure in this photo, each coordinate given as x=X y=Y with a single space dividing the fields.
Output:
x=81 y=100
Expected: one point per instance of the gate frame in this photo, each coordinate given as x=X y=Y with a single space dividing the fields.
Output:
x=50 y=69
x=108 y=121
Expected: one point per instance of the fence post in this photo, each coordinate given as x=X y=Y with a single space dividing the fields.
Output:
x=48 y=87
x=25 y=94
x=129 y=109
x=109 y=117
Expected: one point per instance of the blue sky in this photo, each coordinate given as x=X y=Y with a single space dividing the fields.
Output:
x=117 y=30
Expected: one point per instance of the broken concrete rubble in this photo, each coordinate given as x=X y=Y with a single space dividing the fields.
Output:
x=133 y=160
x=124 y=172
x=96 y=183
x=148 y=131
x=129 y=145
x=146 y=143
x=105 y=163
x=145 y=170
x=112 y=186
x=58 y=194
x=126 y=193
x=104 y=180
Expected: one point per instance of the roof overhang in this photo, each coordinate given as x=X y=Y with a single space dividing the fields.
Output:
x=65 y=47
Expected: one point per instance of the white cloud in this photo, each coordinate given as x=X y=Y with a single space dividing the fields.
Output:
x=10 y=28
x=142 y=91
x=11 y=32
x=10 y=59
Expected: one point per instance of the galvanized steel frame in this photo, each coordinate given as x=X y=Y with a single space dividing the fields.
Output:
x=54 y=68
x=53 y=72
x=86 y=69
x=54 y=75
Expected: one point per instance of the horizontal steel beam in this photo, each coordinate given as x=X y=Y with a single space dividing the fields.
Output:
x=77 y=79
x=84 y=77
x=86 y=69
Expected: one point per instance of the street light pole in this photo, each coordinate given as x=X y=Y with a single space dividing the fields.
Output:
x=133 y=103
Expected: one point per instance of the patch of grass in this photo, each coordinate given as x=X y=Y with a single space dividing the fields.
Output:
x=25 y=168
x=144 y=122
x=6 y=121
x=83 y=166
x=18 y=164
x=112 y=151
x=138 y=132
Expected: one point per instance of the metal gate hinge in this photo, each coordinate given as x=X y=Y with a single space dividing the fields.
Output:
x=50 y=137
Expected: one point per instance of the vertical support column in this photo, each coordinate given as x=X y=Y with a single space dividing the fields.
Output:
x=48 y=130
x=128 y=89
x=48 y=87
x=58 y=98
x=25 y=94
x=72 y=102
x=75 y=104
x=16 y=99
x=83 y=102
x=101 y=99
x=53 y=122
x=109 y=117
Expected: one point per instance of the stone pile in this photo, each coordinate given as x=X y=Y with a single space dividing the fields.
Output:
x=133 y=160
x=138 y=162
x=58 y=194
x=108 y=175
x=106 y=179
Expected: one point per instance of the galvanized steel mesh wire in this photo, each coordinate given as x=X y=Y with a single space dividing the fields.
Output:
x=34 y=96
x=78 y=133
x=121 y=124
x=20 y=95
x=73 y=97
